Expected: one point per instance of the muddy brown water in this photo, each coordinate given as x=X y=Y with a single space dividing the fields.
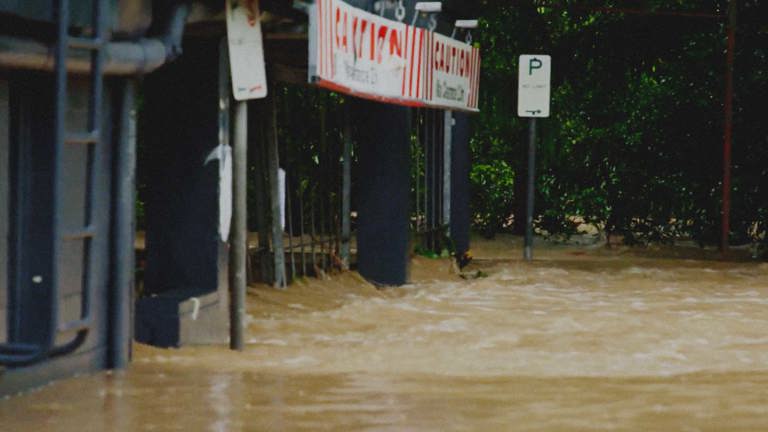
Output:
x=582 y=339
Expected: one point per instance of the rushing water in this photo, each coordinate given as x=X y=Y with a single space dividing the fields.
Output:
x=575 y=341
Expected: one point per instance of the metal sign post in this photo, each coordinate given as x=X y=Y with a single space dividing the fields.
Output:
x=248 y=79
x=533 y=102
x=528 y=250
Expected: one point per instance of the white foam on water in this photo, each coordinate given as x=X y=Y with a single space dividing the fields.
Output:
x=447 y=326
x=643 y=320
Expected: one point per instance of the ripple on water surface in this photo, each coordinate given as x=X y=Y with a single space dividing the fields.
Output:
x=616 y=343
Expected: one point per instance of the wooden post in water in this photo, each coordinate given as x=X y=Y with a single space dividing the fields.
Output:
x=262 y=208
x=346 y=191
x=273 y=163
x=447 y=145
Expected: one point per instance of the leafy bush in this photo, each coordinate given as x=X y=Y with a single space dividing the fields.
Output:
x=635 y=141
x=492 y=185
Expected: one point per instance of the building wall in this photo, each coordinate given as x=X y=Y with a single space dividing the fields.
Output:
x=4 y=204
x=127 y=18
x=26 y=108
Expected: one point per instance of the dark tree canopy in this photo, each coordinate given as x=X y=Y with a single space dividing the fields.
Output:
x=635 y=140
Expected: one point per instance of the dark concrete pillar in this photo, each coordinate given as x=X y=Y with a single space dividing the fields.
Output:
x=186 y=284
x=383 y=191
x=461 y=163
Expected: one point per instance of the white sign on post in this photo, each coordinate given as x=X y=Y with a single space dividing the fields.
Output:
x=246 y=49
x=533 y=86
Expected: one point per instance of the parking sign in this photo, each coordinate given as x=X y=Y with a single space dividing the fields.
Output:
x=534 y=85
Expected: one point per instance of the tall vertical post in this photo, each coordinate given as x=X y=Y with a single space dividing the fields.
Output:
x=273 y=163
x=188 y=214
x=124 y=227
x=427 y=128
x=416 y=165
x=346 y=191
x=460 y=185
x=434 y=182
x=239 y=233
x=528 y=251
x=447 y=144
x=728 y=124
x=263 y=208
x=384 y=192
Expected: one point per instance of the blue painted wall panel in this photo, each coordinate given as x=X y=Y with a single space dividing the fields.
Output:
x=130 y=18
x=29 y=118
x=4 y=214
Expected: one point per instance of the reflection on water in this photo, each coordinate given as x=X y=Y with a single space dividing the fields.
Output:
x=572 y=342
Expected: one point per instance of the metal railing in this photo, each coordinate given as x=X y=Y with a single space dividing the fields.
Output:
x=428 y=220
x=303 y=161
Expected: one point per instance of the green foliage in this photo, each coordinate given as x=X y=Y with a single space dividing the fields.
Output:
x=492 y=184
x=634 y=144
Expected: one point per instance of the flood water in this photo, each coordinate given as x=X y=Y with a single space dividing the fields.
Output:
x=578 y=340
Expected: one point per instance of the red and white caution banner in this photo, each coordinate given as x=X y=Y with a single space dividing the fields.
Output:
x=358 y=53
